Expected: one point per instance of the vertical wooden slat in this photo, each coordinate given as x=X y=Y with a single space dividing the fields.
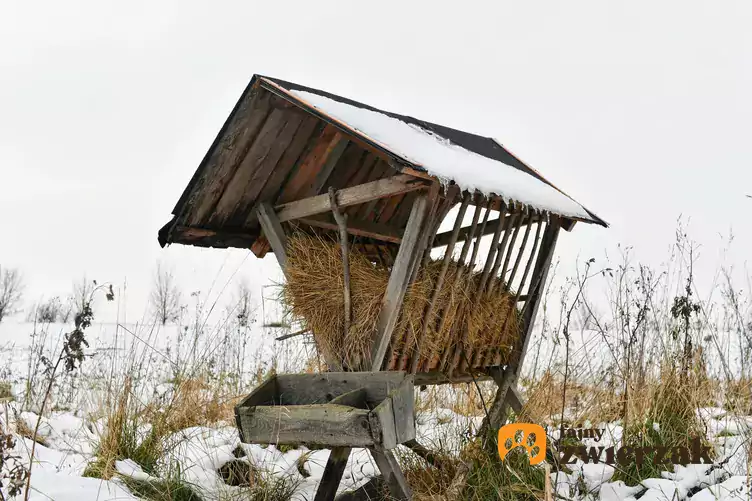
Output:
x=478 y=239
x=491 y=253
x=512 y=227
x=427 y=317
x=494 y=357
x=520 y=252
x=460 y=273
x=512 y=247
x=497 y=411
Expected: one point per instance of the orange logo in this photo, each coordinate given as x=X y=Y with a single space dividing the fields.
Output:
x=531 y=437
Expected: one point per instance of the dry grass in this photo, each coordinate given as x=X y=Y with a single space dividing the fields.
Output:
x=313 y=293
x=193 y=402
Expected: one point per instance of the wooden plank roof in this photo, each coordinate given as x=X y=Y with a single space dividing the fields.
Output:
x=276 y=148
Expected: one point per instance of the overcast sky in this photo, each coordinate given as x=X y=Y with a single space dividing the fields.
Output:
x=640 y=110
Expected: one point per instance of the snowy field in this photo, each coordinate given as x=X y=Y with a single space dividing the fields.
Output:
x=74 y=420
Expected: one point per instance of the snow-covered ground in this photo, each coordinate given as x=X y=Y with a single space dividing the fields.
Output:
x=71 y=425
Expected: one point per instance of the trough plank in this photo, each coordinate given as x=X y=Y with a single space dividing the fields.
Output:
x=320 y=424
x=297 y=389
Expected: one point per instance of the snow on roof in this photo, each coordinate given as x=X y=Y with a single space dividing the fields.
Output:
x=446 y=160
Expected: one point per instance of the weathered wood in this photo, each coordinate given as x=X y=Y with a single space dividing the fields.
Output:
x=443 y=238
x=403 y=408
x=342 y=223
x=433 y=208
x=382 y=424
x=331 y=161
x=332 y=476
x=541 y=271
x=293 y=334
x=300 y=389
x=320 y=424
x=254 y=172
x=428 y=315
x=497 y=412
x=398 y=282
x=515 y=400
x=369 y=229
x=285 y=166
x=480 y=234
x=531 y=258
x=260 y=148
x=220 y=164
x=491 y=253
x=274 y=233
x=460 y=273
x=511 y=225
x=438 y=377
x=393 y=476
x=512 y=247
x=518 y=259
x=308 y=167
x=356 y=398
x=350 y=196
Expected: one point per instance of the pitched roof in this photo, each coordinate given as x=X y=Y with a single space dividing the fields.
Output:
x=273 y=149
x=470 y=160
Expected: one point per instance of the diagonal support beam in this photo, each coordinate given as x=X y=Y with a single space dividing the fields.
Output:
x=274 y=233
x=399 y=279
x=498 y=410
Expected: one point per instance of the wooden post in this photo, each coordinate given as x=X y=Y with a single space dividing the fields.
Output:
x=398 y=282
x=332 y=476
x=393 y=476
x=273 y=232
x=342 y=223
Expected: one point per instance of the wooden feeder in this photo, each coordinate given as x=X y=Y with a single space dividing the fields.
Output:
x=424 y=203
x=335 y=409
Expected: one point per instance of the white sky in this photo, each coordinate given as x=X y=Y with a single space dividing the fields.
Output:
x=640 y=110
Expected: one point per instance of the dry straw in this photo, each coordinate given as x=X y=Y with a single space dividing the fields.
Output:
x=313 y=293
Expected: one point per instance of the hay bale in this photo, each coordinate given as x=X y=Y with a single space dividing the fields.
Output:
x=313 y=294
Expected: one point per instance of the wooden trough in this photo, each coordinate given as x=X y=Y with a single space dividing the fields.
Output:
x=290 y=159
x=334 y=409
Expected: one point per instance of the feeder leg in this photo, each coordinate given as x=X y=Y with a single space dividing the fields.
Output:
x=335 y=468
x=392 y=473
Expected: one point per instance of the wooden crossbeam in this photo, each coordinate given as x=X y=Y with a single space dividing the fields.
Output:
x=443 y=239
x=346 y=197
x=369 y=229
